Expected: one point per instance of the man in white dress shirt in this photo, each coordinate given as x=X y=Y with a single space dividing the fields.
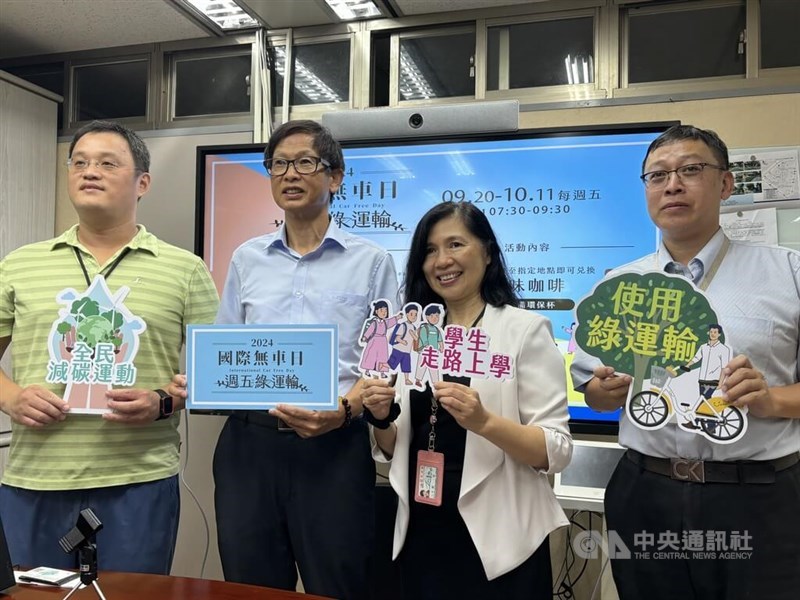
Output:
x=718 y=521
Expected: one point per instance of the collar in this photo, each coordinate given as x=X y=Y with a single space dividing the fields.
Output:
x=143 y=240
x=278 y=239
x=706 y=255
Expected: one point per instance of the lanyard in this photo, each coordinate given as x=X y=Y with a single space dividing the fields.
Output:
x=108 y=272
x=435 y=404
x=715 y=265
x=712 y=270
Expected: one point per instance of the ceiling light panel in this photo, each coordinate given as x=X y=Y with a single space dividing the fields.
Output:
x=226 y=14
x=352 y=10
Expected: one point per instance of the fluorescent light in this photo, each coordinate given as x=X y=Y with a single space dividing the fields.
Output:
x=580 y=68
x=305 y=80
x=226 y=14
x=568 y=65
x=351 y=10
x=413 y=85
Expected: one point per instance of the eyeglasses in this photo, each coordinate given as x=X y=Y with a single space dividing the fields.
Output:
x=686 y=173
x=305 y=165
x=80 y=164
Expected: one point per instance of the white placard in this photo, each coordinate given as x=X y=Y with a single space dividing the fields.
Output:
x=758 y=226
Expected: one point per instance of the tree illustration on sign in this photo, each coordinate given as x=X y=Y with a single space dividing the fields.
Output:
x=92 y=345
x=86 y=323
x=634 y=321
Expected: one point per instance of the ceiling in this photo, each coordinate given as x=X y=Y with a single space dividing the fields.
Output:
x=34 y=27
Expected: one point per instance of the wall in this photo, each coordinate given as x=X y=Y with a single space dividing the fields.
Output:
x=28 y=121
x=742 y=122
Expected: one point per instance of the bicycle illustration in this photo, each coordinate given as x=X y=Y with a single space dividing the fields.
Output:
x=651 y=409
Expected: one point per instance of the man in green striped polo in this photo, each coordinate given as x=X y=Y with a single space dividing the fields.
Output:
x=119 y=349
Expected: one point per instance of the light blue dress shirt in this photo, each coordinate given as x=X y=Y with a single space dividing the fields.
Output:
x=756 y=295
x=268 y=282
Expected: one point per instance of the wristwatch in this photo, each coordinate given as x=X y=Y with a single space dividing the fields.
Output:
x=165 y=407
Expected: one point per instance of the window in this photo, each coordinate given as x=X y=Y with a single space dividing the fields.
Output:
x=680 y=42
x=320 y=73
x=437 y=66
x=779 y=25
x=111 y=90
x=212 y=85
x=540 y=54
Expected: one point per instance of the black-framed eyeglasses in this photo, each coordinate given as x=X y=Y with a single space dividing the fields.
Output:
x=686 y=173
x=305 y=165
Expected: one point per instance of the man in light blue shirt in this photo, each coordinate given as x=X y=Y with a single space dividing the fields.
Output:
x=295 y=486
x=740 y=499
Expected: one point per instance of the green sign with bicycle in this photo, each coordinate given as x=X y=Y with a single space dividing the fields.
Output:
x=662 y=330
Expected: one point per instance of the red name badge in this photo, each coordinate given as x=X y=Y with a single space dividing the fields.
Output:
x=430 y=476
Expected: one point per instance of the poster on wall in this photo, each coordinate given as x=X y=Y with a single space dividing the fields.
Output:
x=764 y=175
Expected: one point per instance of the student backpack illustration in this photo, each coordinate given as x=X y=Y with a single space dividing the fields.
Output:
x=375 y=356
x=430 y=345
x=404 y=340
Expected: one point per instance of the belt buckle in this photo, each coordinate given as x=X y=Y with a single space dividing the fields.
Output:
x=283 y=426
x=685 y=469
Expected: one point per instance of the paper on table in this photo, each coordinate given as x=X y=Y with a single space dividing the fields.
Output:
x=46 y=576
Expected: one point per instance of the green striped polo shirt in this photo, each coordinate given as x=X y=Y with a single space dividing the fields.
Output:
x=169 y=288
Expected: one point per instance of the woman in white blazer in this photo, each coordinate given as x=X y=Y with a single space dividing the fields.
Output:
x=498 y=440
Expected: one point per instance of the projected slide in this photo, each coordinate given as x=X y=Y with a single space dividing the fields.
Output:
x=565 y=209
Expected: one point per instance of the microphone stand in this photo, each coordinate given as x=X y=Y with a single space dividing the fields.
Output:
x=87 y=560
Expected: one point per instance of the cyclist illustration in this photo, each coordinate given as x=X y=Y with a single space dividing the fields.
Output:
x=709 y=414
x=712 y=357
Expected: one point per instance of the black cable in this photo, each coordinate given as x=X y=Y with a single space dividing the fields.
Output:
x=565 y=585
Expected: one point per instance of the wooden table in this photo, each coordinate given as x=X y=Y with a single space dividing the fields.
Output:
x=139 y=586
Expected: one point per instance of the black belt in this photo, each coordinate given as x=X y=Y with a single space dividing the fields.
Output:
x=706 y=471
x=261 y=419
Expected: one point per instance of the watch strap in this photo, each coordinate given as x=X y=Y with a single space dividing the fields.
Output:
x=165 y=405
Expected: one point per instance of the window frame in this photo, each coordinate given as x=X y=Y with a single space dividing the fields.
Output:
x=693 y=84
x=608 y=88
x=165 y=95
x=417 y=33
x=173 y=58
x=555 y=93
x=73 y=123
x=313 y=111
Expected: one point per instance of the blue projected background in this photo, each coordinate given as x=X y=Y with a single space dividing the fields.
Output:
x=565 y=208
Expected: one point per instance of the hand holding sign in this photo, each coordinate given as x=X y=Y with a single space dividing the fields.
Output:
x=662 y=331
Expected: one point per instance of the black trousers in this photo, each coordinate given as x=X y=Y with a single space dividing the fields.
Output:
x=281 y=499
x=763 y=519
x=439 y=561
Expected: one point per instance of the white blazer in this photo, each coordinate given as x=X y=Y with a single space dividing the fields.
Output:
x=509 y=507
